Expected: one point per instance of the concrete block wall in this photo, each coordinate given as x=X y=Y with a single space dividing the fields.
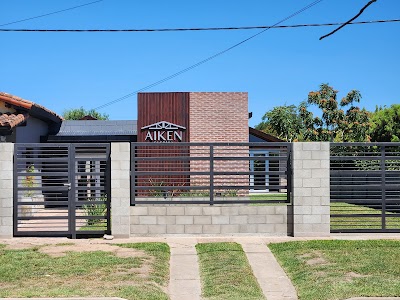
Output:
x=120 y=189
x=6 y=190
x=210 y=220
x=311 y=200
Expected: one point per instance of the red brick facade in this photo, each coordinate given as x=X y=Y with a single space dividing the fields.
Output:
x=218 y=117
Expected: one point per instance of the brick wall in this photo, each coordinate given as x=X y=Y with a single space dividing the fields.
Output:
x=220 y=117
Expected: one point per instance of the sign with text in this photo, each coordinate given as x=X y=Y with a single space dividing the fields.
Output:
x=163 y=132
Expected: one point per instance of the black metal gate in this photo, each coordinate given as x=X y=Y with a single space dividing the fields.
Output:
x=62 y=190
x=365 y=187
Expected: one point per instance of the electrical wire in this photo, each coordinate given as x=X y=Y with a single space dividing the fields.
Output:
x=48 y=14
x=202 y=28
x=208 y=58
x=349 y=21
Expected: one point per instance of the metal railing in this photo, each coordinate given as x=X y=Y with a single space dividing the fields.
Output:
x=210 y=173
x=61 y=189
x=365 y=187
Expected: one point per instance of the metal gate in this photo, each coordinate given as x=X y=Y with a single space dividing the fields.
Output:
x=365 y=187
x=61 y=190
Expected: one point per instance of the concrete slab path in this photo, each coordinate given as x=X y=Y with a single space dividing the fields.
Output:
x=272 y=279
x=184 y=282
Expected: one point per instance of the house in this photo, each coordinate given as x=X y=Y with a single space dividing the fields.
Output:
x=199 y=117
x=23 y=121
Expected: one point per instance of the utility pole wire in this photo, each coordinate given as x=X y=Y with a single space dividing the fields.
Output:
x=200 y=28
x=48 y=14
x=208 y=58
x=349 y=21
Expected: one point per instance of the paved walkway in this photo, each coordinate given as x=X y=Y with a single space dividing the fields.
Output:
x=184 y=280
x=272 y=279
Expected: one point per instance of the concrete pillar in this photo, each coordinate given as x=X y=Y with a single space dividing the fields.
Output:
x=311 y=201
x=120 y=189
x=6 y=190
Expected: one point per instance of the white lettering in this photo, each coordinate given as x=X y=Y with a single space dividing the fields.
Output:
x=160 y=136
x=164 y=132
x=177 y=136
x=148 y=136
x=169 y=136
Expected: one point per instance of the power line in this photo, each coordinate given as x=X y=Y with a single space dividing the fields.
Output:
x=203 y=28
x=349 y=21
x=48 y=14
x=208 y=58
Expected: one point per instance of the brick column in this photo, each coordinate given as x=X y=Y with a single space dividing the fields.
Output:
x=120 y=189
x=6 y=190
x=311 y=201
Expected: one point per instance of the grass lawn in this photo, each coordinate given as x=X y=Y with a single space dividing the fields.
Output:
x=341 y=269
x=141 y=272
x=269 y=196
x=226 y=273
x=371 y=222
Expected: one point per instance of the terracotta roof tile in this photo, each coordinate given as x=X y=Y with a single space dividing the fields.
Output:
x=11 y=99
x=19 y=102
x=11 y=120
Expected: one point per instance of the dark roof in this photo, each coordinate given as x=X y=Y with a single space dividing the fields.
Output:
x=11 y=120
x=97 y=127
x=87 y=117
x=264 y=136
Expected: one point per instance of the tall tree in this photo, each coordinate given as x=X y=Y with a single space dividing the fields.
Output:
x=335 y=121
x=79 y=113
x=385 y=124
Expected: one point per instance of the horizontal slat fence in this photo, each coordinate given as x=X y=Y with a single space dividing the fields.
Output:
x=365 y=187
x=61 y=189
x=210 y=173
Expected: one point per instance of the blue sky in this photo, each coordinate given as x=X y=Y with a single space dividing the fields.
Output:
x=280 y=66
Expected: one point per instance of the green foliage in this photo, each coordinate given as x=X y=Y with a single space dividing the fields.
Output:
x=79 y=113
x=283 y=122
x=333 y=123
x=29 y=181
x=95 y=210
x=385 y=124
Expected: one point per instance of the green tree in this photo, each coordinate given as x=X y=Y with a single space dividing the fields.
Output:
x=79 y=113
x=334 y=121
x=282 y=122
x=385 y=124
